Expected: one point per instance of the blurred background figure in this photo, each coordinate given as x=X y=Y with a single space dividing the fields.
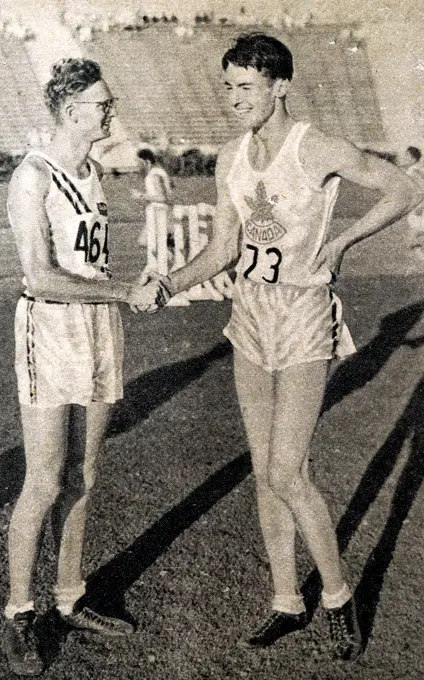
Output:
x=412 y=162
x=157 y=196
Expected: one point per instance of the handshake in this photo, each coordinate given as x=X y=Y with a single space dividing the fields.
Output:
x=150 y=292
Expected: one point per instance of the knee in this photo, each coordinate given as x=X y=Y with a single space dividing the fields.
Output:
x=42 y=492
x=80 y=481
x=89 y=481
x=262 y=481
x=286 y=484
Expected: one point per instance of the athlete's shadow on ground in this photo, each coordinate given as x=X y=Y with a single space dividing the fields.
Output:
x=147 y=392
x=410 y=425
x=142 y=396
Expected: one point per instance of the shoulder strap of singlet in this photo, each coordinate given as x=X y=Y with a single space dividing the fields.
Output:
x=64 y=183
x=298 y=132
x=241 y=150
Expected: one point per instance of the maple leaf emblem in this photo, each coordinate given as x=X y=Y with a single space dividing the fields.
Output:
x=260 y=205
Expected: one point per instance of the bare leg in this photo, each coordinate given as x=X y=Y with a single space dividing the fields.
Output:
x=87 y=429
x=45 y=436
x=256 y=394
x=298 y=398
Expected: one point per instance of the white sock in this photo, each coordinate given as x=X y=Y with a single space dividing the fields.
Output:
x=66 y=597
x=338 y=599
x=12 y=609
x=289 y=604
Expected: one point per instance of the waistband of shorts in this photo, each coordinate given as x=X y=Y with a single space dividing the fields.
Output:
x=31 y=298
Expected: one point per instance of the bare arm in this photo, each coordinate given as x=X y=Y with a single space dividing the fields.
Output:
x=26 y=205
x=223 y=247
x=399 y=194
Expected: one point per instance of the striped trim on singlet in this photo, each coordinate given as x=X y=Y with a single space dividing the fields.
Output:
x=64 y=183
x=71 y=192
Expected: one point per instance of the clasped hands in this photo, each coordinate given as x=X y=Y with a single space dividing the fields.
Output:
x=148 y=293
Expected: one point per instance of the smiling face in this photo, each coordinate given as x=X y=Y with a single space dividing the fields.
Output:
x=93 y=110
x=253 y=96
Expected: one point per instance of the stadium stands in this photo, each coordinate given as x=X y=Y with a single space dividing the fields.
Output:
x=21 y=105
x=172 y=84
x=169 y=85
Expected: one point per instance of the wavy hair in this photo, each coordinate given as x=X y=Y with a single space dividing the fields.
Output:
x=68 y=77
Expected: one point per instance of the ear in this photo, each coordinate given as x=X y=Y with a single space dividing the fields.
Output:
x=70 y=111
x=281 y=87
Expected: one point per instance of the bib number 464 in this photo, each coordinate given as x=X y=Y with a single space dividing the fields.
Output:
x=89 y=242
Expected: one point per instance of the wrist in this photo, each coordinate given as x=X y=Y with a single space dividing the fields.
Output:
x=121 y=291
x=169 y=285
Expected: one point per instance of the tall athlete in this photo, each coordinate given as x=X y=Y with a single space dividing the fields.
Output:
x=69 y=350
x=278 y=184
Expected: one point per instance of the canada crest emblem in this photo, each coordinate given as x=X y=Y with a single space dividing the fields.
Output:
x=262 y=227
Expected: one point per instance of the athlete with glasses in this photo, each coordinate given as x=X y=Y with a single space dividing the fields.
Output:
x=107 y=105
x=69 y=351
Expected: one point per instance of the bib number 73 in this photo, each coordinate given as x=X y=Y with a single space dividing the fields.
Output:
x=89 y=241
x=274 y=260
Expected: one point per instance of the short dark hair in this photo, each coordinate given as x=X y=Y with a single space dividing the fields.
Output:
x=147 y=155
x=69 y=76
x=414 y=152
x=262 y=52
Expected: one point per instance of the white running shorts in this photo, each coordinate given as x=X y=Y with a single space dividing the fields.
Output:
x=68 y=353
x=279 y=326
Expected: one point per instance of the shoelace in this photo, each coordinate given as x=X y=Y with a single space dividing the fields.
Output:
x=339 y=629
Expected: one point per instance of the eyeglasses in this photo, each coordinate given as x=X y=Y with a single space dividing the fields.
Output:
x=107 y=105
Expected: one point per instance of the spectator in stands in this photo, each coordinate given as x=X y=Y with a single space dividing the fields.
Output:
x=277 y=186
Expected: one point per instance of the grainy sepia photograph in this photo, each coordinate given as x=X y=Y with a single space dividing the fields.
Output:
x=212 y=339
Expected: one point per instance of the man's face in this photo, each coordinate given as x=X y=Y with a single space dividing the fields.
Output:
x=252 y=94
x=94 y=109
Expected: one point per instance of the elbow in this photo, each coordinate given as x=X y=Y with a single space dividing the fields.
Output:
x=417 y=197
x=222 y=254
x=36 y=287
x=405 y=200
x=414 y=195
x=227 y=257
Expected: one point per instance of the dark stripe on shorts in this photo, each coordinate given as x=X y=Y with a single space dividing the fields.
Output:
x=32 y=373
x=335 y=325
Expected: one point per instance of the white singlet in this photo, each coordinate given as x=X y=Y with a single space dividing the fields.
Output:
x=71 y=352
x=284 y=217
x=77 y=213
x=154 y=177
x=282 y=314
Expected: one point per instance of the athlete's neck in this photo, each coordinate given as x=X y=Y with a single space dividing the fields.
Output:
x=72 y=155
x=269 y=138
x=271 y=133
